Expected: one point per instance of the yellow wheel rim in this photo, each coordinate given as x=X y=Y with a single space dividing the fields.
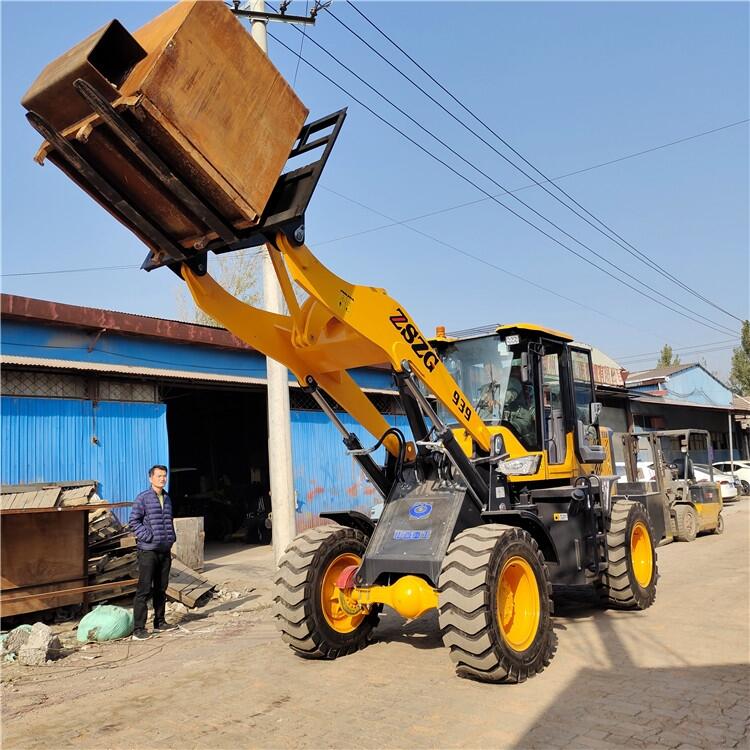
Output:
x=518 y=607
x=331 y=597
x=641 y=554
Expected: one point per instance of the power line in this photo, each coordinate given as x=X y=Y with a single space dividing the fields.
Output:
x=713 y=323
x=441 y=211
x=97 y=268
x=69 y=270
x=728 y=343
x=485 y=262
x=710 y=324
x=466 y=204
x=302 y=41
x=697 y=352
x=617 y=238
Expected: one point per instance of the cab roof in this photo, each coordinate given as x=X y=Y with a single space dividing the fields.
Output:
x=531 y=328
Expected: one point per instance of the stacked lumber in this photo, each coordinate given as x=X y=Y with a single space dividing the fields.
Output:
x=112 y=558
x=52 y=495
x=187 y=586
x=112 y=555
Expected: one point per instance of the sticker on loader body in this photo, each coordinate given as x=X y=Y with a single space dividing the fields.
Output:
x=407 y=535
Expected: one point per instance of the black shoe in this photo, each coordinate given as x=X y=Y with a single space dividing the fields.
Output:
x=162 y=626
x=141 y=635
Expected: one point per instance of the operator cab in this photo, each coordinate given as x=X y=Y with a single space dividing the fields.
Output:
x=531 y=385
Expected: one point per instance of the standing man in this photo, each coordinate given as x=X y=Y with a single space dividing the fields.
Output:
x=152 y=524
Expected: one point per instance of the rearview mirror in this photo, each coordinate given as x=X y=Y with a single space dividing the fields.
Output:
x=595 y=409
x=525 y=378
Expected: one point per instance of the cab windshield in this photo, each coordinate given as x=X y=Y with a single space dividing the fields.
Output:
x=489 y=374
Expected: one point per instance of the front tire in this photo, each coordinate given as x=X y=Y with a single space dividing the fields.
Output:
x=719 y=525
x=495 y=605
x=629 y=582
x=686 y=523
x=309 y=610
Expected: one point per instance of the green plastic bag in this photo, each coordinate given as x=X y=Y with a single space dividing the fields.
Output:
x=105 y=623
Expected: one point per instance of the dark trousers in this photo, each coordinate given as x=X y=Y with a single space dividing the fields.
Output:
x=153 y=577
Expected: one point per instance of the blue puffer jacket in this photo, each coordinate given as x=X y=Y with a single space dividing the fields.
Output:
x=152 y=525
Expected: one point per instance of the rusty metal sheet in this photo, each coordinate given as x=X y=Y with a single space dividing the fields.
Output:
x=103 y=59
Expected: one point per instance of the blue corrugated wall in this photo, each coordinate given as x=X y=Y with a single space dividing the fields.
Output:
x=325 y=478
x=52 y=440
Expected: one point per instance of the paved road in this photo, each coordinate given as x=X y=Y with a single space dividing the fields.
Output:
x=675 y=676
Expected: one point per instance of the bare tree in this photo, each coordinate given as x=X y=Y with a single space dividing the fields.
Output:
x=239 y=273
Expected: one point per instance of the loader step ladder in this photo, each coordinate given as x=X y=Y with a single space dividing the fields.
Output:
x=595 y=538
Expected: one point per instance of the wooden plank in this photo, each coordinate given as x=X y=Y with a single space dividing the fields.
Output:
x=188 y=548
x=42 y=547
x=59 y=509
x=43 y=596
x=120 y=561
x=77 y=495
x=185 y=585
x=115 y=575
x=7 y=597
x=48 y=498
x=6 y=488
x=116 y=592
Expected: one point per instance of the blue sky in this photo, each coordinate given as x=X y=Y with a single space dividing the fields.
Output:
x=569 y=85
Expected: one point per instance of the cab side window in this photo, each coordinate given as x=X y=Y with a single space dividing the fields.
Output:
x=584 y=394
x=554 y=423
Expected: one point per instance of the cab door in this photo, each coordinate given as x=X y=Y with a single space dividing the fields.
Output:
x=586 y=438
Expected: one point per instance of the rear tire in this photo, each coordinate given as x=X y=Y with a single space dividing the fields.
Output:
x=495 y=605
x=630 y=580
x=719 y=525
x=686 y=523
x=306 y=611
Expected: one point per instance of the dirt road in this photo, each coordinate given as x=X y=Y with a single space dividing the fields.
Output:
x=674 y=676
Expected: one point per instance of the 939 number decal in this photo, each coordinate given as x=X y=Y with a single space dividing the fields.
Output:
x=463 y=407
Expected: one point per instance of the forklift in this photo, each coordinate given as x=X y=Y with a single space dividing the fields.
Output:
x=690 y=505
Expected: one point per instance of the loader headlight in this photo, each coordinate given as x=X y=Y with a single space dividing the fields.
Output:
x=519 y=466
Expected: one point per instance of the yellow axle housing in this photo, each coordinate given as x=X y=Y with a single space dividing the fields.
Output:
x=410 y=596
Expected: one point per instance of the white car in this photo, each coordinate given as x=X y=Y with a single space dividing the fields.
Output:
x=645 y=471
x=725 y=481
x=741 y=468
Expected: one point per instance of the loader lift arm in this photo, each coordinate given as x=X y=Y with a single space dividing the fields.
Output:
x=340 y=326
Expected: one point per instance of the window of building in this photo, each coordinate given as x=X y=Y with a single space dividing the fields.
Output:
x=127 y=390
x=385 y=403
x=40 y=384
x=720 y=440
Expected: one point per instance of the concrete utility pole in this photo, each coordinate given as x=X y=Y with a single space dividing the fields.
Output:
x=283 y=504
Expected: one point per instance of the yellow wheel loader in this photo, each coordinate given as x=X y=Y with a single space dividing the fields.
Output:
x=504 y=488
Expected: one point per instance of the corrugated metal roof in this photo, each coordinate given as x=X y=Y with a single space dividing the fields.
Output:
x=61 y=314
x=157 y=372
x=641 y=397
x=121 y=369
x=657 y=373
